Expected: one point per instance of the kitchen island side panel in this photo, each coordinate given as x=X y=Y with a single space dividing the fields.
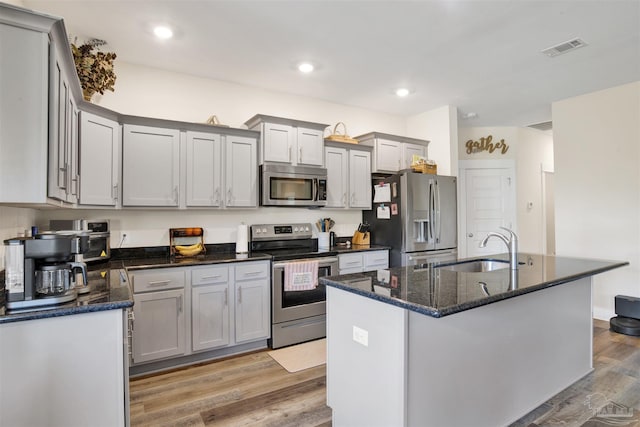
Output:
x=491 y=365
x=365 y=383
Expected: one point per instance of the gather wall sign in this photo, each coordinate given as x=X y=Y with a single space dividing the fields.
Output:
x=485 y=144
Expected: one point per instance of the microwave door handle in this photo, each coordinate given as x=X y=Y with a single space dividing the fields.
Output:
x=315 y=189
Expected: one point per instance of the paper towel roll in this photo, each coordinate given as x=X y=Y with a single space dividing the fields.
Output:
x=242 y=239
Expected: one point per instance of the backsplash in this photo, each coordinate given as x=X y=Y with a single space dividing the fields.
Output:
x=12 y=222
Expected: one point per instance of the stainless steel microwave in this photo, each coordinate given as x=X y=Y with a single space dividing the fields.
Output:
x=285 y=185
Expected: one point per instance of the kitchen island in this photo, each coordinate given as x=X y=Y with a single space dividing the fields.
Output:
x=431 y=346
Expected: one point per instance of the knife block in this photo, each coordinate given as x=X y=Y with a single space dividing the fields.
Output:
x=361 y=238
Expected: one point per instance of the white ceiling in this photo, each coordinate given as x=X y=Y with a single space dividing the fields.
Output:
x=480 y=56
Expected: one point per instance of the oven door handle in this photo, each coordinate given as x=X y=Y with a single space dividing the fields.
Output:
x=321 y=261
x=315 y=189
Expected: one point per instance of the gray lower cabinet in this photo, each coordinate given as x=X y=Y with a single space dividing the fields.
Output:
x=159 y=314
x=252 y=300
x=210 y=312
x=358 y=262
x=189 y=310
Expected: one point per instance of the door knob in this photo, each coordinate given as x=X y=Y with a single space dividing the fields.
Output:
x=470 y=234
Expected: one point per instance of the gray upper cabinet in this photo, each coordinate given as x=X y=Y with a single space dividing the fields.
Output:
x=348 y=176
x=150 y=166
x=241 y=175
x=38 y=110
x=289 y=141
x=204 y=169
x=392 y=153
x=99 y=160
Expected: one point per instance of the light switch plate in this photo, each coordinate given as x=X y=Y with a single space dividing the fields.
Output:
x=361 y=336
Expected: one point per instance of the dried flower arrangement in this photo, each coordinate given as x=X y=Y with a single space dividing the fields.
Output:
x=94 y=68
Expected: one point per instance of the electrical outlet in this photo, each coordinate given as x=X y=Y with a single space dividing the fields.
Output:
x=361 y=336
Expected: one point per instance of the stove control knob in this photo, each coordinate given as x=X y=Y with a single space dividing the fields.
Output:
x=306 y=229
x=295 y=229
x=264 y=230
x=257 y=231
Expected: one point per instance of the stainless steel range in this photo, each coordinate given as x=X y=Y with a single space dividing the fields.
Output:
x=297 y=315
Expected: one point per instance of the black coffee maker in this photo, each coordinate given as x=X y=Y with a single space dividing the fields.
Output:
x=39 y=271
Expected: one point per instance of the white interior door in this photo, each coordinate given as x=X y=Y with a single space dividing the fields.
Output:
x=489 y=203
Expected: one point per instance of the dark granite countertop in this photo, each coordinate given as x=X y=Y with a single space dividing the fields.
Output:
x=109 y=285
x=439 y=292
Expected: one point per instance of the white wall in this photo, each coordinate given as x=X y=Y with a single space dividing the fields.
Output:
x=530 y=149
x=597 y=186
x=440 y=127
x=151 y=92
x=12 y=222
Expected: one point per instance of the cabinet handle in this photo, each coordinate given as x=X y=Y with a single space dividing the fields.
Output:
x=252 y=273
x=353 y=263
x=75 y=180
x=300 y=155
x=175 y=194
x=211 y=277
x=344 y=199
x=114 y=193
x=180 y=304
x=229 y=196
x=239 y=294
x=226 y=296
x=159 y=282
x=289 y=153
x=216 y=196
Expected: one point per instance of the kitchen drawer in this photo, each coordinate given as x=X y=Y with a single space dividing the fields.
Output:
x=252 y=270
x=209 y=275
x=158 y=279
x=350 y=261
x=376 y=260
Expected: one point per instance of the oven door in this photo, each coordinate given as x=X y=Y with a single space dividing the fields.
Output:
x=292 y=305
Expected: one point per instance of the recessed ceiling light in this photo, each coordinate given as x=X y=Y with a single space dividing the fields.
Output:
x=163 y=32
x=402 y=92
x=305 y=67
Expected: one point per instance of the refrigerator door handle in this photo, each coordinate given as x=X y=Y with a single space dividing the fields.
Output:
x=432 y=218
x=438 y=213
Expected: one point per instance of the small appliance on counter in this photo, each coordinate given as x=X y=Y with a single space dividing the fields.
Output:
x=99 y=248
x=39 y=271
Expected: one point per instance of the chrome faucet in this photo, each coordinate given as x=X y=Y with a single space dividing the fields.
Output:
x=511 y=242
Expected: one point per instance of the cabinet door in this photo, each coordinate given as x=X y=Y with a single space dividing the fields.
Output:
x=158 y=328
x=387 y=155
x=336 y=162
x=360 y=179
x=210 y=316
x=252 y=310
x=204 y=169
x=277 y=142
x=150 y=166
x=99 y=160
x=409 y=150
x=309 y=147
x=59 y=123
x=73 y=176
x=241 y=177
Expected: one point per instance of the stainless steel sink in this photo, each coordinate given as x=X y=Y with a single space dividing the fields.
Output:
x=476 y=266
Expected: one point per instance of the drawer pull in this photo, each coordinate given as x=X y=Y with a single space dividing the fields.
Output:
x=353 y=263
x=159 y=283
x=217 y=276
x=252 y=273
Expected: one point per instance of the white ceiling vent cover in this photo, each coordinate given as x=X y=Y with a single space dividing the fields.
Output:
x=544 y=126
x=565 y=47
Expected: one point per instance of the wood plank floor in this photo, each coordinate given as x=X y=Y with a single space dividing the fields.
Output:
x=255 y=390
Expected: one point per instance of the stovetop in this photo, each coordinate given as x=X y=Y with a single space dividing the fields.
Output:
x=286 y=241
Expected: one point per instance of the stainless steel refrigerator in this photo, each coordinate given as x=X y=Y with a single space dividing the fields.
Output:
x=422 y=217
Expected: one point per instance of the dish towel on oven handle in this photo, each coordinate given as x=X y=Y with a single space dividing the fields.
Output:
x=300 y=276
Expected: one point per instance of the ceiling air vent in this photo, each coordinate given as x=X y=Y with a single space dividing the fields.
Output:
x=565 y=47
x=542 y=126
